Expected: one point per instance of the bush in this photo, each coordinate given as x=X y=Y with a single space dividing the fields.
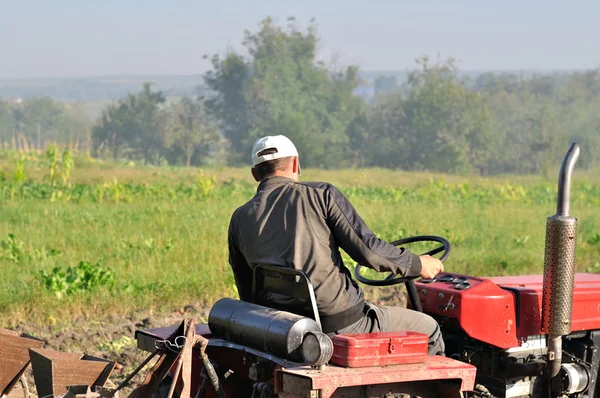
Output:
x=84 y=277
x=11 y=249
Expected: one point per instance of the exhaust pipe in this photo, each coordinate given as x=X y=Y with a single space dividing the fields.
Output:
x=559 y=266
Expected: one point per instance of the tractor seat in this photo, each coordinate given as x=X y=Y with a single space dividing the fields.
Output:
x=284 y=289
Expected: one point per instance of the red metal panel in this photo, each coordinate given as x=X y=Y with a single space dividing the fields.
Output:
x=586 y=301
x=378 y=349
x=484 y=310
x=487 y=312
x=331 y=378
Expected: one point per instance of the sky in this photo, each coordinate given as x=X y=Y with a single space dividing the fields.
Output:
x=67 y=38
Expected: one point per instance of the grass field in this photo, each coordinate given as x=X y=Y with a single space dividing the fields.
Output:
x=154 y=239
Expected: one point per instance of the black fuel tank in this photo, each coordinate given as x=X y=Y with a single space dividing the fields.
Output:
x=272 y=331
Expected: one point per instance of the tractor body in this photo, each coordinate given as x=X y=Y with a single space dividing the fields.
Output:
x=495 y=325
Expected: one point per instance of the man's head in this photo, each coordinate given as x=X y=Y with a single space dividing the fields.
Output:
x=275 y=156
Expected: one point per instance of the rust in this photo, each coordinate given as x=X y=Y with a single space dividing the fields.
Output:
x=185 y=360
x=302 y=380
x=54 y=371
x=14 y=354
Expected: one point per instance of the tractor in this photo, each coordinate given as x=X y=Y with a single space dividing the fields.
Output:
x=513 y=336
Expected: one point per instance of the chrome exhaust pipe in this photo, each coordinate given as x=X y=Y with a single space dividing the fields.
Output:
x=559 y=266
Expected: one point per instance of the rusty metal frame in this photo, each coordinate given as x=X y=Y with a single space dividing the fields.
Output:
x=452 y=376
x=14 y=354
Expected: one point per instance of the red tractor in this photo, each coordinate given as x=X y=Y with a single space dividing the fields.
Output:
x=517 y=336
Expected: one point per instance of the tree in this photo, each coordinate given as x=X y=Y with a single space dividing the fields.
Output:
x=535 y=119
x=40 y=122
x=387 y=146
x=447 y=126
x=226 y=100
x=189 y=129
x=438 y=125
x=35 y=123
x=282 y=89
x=18 y=115
x=145 y=134
x=6 y=124
x=134 y=124
x=110 y=131
x=386 y=84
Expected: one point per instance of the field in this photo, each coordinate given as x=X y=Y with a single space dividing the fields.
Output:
x=84 y=241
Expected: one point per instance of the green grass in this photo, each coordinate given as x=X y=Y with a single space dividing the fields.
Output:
x=162 y=233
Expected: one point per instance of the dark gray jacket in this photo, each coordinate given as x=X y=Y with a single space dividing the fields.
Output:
x=303 y=226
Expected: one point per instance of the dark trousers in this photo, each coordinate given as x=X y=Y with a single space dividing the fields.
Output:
x=398 y=319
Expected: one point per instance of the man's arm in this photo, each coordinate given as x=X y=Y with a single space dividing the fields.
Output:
x=352 y=234
x=241 y=270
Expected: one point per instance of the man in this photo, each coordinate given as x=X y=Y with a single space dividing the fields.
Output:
x=303 y=226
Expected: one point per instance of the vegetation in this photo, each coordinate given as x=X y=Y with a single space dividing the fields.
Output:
x=114 y=239
x=280 y=89
x=437 y=120
x=84 y=277
x=36 y=123
x=86 y=230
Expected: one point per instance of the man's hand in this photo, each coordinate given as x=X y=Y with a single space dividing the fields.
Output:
x=430 y=267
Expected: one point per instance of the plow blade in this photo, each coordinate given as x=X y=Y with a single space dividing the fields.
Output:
x=14 y=357
x=54 y=371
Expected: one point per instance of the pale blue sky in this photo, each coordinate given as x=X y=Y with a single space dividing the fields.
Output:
x=68 y=38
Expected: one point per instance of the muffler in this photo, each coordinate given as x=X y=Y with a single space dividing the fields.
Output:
x=559 y=266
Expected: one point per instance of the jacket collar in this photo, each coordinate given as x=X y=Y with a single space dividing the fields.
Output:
x=272 y=182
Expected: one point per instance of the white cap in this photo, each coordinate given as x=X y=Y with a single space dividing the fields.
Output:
x=284 y=146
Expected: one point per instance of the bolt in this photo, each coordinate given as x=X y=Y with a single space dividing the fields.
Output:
x=424 y=292
x=441 y=295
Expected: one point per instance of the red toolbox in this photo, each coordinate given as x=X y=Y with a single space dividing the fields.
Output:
x=379 y=349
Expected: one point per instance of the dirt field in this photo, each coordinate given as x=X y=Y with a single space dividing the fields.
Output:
x=87 y=336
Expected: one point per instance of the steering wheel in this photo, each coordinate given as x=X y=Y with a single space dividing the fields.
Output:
x=393 y=279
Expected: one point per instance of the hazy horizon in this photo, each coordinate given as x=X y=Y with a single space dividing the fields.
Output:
x=374 y=72
x=69 y=39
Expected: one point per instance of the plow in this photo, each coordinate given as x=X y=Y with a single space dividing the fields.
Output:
x=506 y=337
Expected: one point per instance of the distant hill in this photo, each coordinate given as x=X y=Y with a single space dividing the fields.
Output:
x=108 y=88
x=401 y=76
x=104 y=88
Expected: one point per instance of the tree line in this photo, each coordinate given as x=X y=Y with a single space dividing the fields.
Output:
x=36 y=123
x=435 y=120
x=143 y=126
